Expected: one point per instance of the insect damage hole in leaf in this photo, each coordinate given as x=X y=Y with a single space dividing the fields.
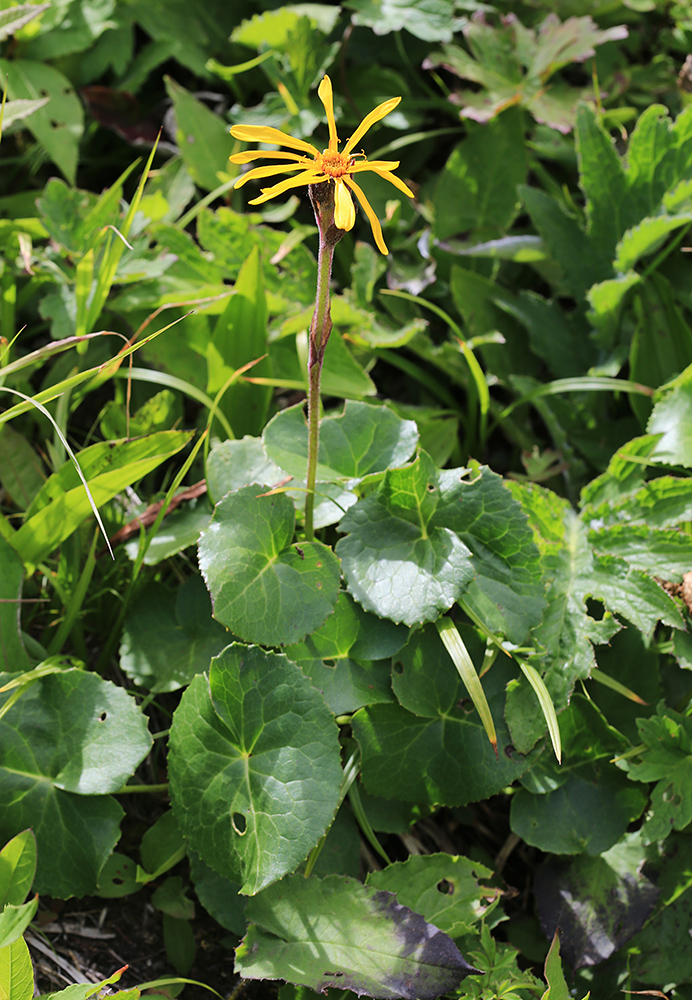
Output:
x=239 y=823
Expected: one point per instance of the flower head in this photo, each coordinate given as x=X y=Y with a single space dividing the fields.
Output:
x=331 y=165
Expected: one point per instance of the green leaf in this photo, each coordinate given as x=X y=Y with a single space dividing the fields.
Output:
x=13 y=655
x=180 y=530
x=202 y=136
x=162 y=845
x=218 y=895
x=273 y=27
x=396 y=562
x=448 y=890
x=263 y=588
x=433 y=749
x=168 y=637
x=645 y=237
x=62 y=503
x=88 y=737
x=426 y=19
x=661 y=503
x=476 y=191
x=582 y=805
x=22 y=472
x=58 y=126
x=667 y=760
x=603 y=181
x=364 y=941
x=581 y=261
x=610 y=899
x=118 y=877
x=239 y=337
x=507 y=593
x=671 y=418
x=665 y=554
x=14 y=18
x=254 y=766
x=361 y=440
x=234 y=464
x=341 y=658
x=17 y=868
x=557 y=984
x=16 y=972
x=171 y=898
x=661 y=346
x=14 y=920
x=70 y=27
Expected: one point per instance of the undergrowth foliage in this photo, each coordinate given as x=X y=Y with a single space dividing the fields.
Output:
x=401 y=672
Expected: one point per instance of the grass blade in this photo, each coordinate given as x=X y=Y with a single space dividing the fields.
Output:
x=454 y=645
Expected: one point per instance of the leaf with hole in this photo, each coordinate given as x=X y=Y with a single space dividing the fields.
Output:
x=254 y=766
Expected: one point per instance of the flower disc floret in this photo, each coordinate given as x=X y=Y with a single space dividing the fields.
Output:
x=309 y=166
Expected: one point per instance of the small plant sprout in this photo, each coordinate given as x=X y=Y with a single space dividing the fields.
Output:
x=329 y=178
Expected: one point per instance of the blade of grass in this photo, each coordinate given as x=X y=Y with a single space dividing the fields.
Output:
x=454 y=645
x=546 y=703
x=610 y=682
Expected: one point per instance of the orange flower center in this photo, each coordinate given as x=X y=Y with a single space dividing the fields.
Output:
x=335 y=164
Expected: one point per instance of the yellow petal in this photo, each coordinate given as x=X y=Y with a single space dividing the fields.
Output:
x=344 y=209
x=264 y=133
x=326 y=95
x=248 y=155
x=307 y=177
x=392 y=178
x=375 y=116
x=258 y=172
x=373 y=165
x=372 y=218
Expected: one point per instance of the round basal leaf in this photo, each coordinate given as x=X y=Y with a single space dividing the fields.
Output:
x=361 y=440
x=347 y=658
x=254 y=766
x=434 y=749
x=168 y=638
x=337 y=932
x=395 y=562
x=452 y=892
x=263 y=588
x=87 y=737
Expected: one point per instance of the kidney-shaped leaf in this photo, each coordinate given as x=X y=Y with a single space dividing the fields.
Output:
x=87 y=736
x=336 y=932
x=263 y=588
x=254 y=766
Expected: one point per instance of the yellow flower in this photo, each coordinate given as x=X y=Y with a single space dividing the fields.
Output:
x=315 y=167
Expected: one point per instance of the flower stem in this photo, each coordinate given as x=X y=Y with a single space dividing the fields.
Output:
x=322 y=197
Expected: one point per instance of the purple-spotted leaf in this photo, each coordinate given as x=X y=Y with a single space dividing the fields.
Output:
x=337 y=932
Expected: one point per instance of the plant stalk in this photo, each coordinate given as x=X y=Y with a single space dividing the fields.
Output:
x=322 y=198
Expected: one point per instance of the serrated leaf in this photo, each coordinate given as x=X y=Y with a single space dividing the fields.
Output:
x=264 y=588
x=666 y=759
x=358 y=442
x=672 y=419
x=448 y=890
x=396 y=563
x=254 y=766
x=364 y=941
x=420 y=752
x=602 y=178
x=88 y=737
x=426 y=19
x=14 y=18
x=662 y=553
x=646 y=237
x=169 y=637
